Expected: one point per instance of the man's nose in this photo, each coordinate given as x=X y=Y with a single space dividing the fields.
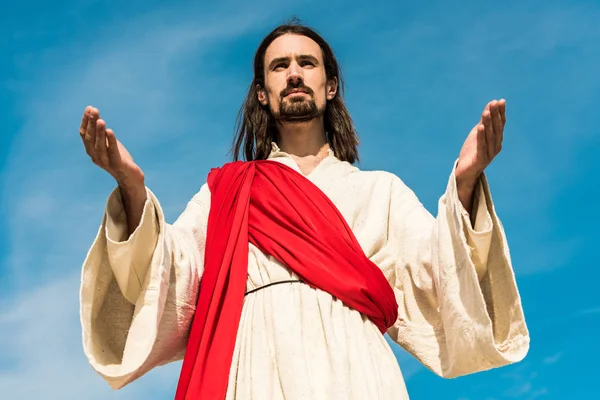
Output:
x=294 y=77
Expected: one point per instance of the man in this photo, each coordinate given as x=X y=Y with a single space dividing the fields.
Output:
x=280 y=276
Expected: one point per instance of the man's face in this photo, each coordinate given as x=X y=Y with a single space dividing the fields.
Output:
x=296 y=87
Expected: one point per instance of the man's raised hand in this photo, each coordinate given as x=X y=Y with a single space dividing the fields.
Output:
x=108 y=153
x=483 y=143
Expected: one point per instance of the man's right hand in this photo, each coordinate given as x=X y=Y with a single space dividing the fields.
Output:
x=109 y=154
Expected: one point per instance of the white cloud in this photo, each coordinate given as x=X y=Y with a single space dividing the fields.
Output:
x=41 y=342
x=57 y=196
x=587 y=311
x=537 y=393
x=502 y=52
x=139 y=75
x=56 y=193
x=553 y=359
x=524 y=381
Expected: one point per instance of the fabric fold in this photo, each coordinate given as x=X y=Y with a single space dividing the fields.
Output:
x=282 y=213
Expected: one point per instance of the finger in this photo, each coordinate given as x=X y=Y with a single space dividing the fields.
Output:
x=481 y=140
x=84 y=121
x=487 y=107
x=498 y=126
x=113 y=148
x=489 y=133
x=502 y=106
x=83 y=132
x=500 y=138
x=100 y=144
x=90 y=133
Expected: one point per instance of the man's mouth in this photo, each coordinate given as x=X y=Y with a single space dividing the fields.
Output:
x=296 y=92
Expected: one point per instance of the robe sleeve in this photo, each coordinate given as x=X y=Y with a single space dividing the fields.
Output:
x=138 y=294
x=459 y=307
x=478 y=236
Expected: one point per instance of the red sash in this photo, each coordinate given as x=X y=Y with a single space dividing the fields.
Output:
x=282 y=213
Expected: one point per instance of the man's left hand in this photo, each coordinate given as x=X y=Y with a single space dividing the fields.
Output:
x=482 y=145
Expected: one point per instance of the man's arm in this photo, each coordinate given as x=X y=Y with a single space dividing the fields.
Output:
x=459 y=305
x=460 y=311
x=466 y=191
x=133 y=202
x=140 y=278
x=109 y=154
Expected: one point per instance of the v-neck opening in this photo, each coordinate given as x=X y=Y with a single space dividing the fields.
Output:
x=276 y=152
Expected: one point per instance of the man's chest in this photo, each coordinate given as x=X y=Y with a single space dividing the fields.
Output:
x=364 y=204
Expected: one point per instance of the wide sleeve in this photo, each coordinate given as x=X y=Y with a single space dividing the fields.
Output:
x=138 y=293
x=459 y=306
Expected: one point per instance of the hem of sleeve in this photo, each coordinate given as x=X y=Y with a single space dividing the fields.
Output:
x=487 y=357
x=144 y=325
x=116 y=219
x=515 y=346
x=476 y=239
x=130 y=259
x=483 y=219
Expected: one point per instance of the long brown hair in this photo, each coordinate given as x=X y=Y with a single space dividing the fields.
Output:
x=255 y=126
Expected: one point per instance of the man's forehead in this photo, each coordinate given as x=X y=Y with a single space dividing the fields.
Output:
x=290 y=45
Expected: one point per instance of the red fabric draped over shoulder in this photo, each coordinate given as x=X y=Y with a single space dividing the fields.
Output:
x=282 y=213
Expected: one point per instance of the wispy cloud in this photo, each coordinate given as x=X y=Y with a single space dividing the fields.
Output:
x=538 y=393
x=553 y=359
x=587 y=311
x=526 y=391
x=170 y=81
x=133 y=79
x=525 y=383
x=501 y=53
x=40 y=343
x=57 y=196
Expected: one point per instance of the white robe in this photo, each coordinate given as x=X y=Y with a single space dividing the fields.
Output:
x=459 y=306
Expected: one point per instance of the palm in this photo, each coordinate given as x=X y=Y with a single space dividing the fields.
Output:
x=107 y=152
x=483 y=143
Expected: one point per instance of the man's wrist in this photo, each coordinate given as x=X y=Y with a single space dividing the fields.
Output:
x=133 y=193
x=465 y=188
x=466 y=184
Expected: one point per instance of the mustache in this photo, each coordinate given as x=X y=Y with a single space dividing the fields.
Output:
x=299 y=87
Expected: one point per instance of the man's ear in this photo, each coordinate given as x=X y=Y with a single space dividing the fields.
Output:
x=261 y=94
x=332 y=88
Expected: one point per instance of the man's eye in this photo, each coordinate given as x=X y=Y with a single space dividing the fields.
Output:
x=279 y=67
x=307 y=64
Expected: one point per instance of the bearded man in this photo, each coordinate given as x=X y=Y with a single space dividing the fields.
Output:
x=284 y=271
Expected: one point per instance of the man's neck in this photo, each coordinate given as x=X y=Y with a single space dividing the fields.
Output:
x=303 y=139
x=305 y=143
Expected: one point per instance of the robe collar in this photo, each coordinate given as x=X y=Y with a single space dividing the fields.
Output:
x=276 y=152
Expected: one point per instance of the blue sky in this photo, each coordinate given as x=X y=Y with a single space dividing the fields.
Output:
x=169 y=78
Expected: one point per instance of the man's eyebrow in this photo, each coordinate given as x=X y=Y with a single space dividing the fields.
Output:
x=277 y=61
x=308 y=57
x=301 y=57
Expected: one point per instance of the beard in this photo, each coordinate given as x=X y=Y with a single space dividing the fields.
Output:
x=297 y=109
